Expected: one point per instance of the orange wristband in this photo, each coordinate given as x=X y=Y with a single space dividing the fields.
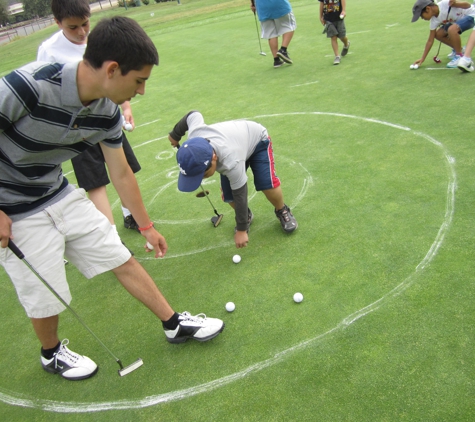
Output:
x=142 y=229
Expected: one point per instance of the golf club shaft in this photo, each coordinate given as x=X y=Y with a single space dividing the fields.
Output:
x=212 y=206
x=14 y=248
x=257 y=29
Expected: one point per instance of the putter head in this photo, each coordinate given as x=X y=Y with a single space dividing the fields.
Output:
x=437 y=60
x=217 y=219
x=262 y=53
x=129 y=368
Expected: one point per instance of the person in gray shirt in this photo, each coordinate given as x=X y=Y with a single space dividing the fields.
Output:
x=230 y=148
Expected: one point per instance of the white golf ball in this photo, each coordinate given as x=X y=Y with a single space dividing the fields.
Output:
x=416 y=66
x=236 y=259
x=230 y=306
x=411 y=66
x=149 y=245
x=128 y=127
x=298 y=297
x=342 y=16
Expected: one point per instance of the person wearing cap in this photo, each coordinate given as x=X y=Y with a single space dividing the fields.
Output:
x=447 y=19
x=229 y=148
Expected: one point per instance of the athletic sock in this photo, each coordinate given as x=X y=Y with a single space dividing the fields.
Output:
x=172 y=323
x=125 y=211
x=49 y=353
x=284 y=49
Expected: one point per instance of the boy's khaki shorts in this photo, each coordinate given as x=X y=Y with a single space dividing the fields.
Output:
x=71 y=228
x=276 y=27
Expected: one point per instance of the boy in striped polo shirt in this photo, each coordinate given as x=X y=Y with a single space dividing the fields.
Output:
x=48 y=114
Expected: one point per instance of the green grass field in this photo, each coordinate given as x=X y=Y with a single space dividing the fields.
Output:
x=376 y=162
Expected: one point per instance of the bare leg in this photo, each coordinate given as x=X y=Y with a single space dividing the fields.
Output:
x=451 y=38
x=286 y=38
x=274 y=46
x=344 y=40
x=99 y=198
x=275 y=197
x=46 y=330
x=141 y=286
x=470 y=45
x=334 y=41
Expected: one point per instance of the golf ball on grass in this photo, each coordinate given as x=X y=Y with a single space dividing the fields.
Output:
x=230 y=306
x=236 y=259
x=298 y=297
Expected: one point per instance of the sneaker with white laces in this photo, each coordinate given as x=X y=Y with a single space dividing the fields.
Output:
x=284 y=55
x=197 y=327
x=465 y=64
x=287 y=220
x=69 y=364
x=454 y=62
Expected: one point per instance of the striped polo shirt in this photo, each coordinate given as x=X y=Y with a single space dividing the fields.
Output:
x=42 y=124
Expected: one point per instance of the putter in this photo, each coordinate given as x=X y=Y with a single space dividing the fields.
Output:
x=258 y=37
x=436 y=57
x=123 y=370
x=215 y=219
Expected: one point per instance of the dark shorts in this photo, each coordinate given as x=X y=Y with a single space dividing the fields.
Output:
x=336 y=29
x=90 y=167
x=262 y=165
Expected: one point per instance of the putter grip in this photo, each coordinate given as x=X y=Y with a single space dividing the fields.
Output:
x=15 y=250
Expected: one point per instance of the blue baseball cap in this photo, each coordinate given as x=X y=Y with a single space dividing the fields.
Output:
x=193 y=158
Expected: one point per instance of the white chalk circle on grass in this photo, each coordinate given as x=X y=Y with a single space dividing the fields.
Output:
x=23 y=400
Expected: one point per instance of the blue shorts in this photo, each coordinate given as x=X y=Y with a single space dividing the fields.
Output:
x=262 y=165
x=464 y=24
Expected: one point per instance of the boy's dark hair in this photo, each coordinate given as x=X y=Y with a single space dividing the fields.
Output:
x=63 y=9
x=122 y=40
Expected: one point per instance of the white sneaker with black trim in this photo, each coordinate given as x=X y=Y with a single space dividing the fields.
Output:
x=465 y=64
x=69 y=364
x=197 y=327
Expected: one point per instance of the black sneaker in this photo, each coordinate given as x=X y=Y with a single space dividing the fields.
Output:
x=284 y=56
x=278 y=62
x=287 y=220
x=197 y=327
x=250 y=217
x=130 y=223
x=69 y=365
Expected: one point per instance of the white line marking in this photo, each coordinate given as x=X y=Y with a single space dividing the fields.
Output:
x=18 y=399
x=308 y=83
x=441 y=68
x=148 y=123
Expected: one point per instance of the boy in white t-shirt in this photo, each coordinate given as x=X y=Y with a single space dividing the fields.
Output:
x=66 y=46
x=448 y=19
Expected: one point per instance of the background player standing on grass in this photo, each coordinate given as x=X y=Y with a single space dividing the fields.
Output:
x=332 y=14
x=48 y=114
x=448 y=19
x=66 y=46
x=230 y=148
x=277 y=20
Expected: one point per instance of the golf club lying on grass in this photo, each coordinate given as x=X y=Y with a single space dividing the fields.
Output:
x=215 y=219
x=122 y=371
x=258 y=37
